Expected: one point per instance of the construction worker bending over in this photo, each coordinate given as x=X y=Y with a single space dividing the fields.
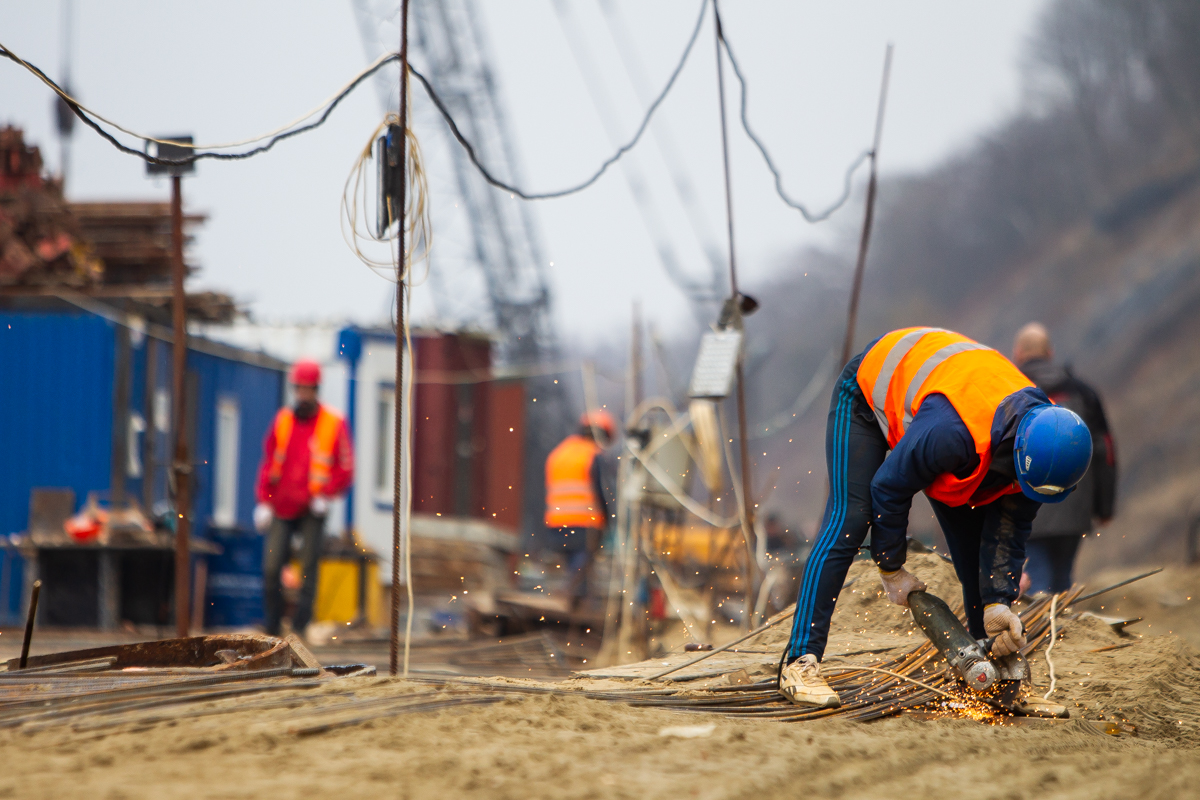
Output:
x=987 y=448
x=308 y=460
x=576 y=509
x=1058 y=531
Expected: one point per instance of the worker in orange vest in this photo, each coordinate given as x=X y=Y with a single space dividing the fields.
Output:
x=924 y=409
x=308 y=460
x=576 y=507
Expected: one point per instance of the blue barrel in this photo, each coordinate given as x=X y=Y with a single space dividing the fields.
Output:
x=235 y=580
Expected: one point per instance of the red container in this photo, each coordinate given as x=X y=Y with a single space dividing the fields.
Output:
x=468 y=432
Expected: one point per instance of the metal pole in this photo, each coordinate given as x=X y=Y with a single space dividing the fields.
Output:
x=865 y=241
x=633 y=641
x=33 y=603
x=743 y=439
x=398 y=435
x=182 y=465
x=733 y=281
x=635 y=361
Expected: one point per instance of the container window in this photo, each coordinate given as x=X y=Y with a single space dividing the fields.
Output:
x=226 y=466
x=384 y=441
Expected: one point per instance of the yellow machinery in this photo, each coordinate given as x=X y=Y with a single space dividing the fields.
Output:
x=338 y=591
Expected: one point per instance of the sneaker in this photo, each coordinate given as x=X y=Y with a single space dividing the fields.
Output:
x=801 y=683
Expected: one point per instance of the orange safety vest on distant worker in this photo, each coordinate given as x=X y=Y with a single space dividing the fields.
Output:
x=571 y=500
x=324 y=438
x=908 y=365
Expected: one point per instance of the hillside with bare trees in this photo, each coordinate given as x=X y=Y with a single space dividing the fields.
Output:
x=1082 y=212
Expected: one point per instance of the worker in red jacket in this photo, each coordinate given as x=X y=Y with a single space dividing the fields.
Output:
x=308 y=460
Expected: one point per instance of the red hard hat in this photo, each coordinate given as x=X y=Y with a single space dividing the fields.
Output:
x=306 y=373
x=599 y=419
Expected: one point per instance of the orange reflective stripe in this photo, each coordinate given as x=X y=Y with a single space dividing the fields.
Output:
x=884 y=357
x=321 y=446
x=571 y=500
x=324 y=440
x=284 y=422
x=930 y=364
x=906 y=366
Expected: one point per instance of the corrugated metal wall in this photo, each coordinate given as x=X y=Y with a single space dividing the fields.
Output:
x=56 y=421
x=55 y=407
x=259 y=393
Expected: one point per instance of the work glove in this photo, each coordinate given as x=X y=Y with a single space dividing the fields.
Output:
x=263 y=514
x=319 y=506
x=899 y=585
x=1000 y=621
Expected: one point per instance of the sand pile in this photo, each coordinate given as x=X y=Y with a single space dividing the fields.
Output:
x=566 y=747
x=1152 y=682
x=569 y=748
x=1167 y=603
x=1149 y=681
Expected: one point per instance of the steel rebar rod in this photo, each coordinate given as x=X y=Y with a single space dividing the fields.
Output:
x=59 y=716
x=33 y=603
x=398 y=416
x=1115 y=586
x=709 y=653
x=869 y=216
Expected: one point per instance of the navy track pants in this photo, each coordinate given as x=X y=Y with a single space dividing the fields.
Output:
x=854 y=449
x=986 y=543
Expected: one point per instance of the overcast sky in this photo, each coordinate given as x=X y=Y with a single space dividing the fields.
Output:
x=226 y=70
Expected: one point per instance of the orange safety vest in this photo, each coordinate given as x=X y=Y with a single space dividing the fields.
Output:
x=571 y=500
x=324 y=439
x=908 y=365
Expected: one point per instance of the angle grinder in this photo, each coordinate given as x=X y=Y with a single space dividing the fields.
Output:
x=967 y=656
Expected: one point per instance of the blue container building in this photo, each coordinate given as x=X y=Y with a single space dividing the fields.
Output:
x=85 y=395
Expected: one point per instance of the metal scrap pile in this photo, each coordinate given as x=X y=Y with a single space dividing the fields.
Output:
x=40 y=239
x=109 y=249
x=100 y=687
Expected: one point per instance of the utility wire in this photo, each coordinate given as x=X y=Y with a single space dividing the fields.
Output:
x=187 y=145
x=805 y=399
x=90 y=118
x=622 y=150
x=762 y=148
x=688 y=196
x=85 y=115
x=695 y=290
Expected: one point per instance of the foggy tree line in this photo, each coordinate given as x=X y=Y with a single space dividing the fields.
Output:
x=1109 y=129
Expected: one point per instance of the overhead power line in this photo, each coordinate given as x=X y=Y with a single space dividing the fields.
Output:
x=93 y=120
x=622 y=150
x=762 y=148
x=86 y=115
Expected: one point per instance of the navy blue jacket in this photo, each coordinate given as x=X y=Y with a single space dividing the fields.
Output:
x=936 y=442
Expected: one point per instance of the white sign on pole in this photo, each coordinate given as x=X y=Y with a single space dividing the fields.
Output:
x=712 y=377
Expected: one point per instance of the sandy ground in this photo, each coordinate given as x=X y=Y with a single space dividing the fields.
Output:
x=568 y=747
x=1167 y=603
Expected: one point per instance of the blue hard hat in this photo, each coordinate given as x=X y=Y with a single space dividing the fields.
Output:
x=1052 y=452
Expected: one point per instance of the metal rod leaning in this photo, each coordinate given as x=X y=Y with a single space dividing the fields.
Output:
x=397 y=425
x=869 y=216
x=1099 y=592
x=33 y=603
x=770 y=624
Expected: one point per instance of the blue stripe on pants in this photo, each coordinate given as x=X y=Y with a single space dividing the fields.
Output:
x=854 y=449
